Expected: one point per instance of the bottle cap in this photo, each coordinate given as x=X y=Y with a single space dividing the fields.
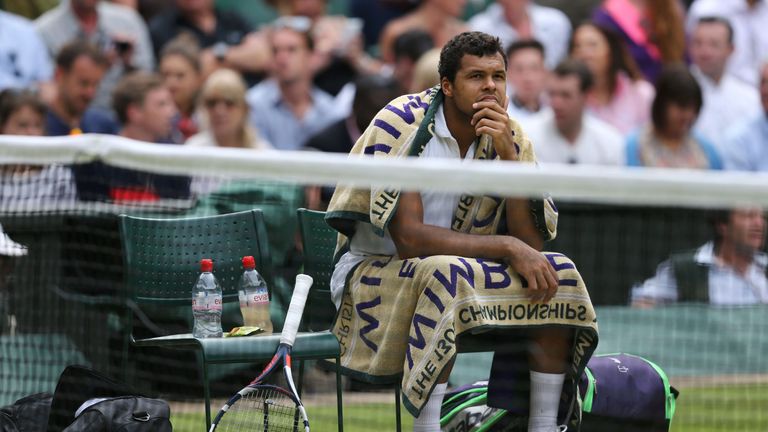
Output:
x=249 y=263
x=206 y=265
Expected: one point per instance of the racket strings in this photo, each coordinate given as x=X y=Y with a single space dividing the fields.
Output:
x=263 y=410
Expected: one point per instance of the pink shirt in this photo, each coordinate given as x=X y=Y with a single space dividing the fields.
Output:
x=630 y=106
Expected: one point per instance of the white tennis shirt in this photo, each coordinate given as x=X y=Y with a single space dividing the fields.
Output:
x=438 y=210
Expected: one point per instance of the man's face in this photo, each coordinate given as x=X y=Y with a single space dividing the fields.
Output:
x=291 y=56
x=710 y=48
x=77 y=86
x=745 y=229
x=527 y=74
x=478 y=78
x=566 y=99
x=155 y=115
x=764 y=87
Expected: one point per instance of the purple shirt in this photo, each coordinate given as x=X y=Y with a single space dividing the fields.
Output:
x=648 y=61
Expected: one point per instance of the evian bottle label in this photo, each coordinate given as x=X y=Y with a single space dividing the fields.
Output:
x=205 y=302
x=260 y=296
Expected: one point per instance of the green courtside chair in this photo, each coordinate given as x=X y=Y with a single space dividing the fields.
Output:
x=161 y=264
x=319 y=241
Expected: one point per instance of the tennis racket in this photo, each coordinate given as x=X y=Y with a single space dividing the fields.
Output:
x=264 y=407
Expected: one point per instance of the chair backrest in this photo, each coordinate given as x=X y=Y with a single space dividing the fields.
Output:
x=162 y=256
x=319 y=241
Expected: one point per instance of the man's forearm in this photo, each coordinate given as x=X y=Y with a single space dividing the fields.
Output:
x=427 y=240
x=520 y=222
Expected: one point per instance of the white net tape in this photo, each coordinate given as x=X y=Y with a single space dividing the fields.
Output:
x=580 y=183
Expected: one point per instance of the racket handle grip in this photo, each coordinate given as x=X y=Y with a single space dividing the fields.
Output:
x=296 y=309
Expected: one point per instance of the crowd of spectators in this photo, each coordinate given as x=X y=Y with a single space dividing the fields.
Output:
x=680 y=84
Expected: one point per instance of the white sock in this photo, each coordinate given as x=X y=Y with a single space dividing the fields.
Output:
x=544 y=401
x=429 y=419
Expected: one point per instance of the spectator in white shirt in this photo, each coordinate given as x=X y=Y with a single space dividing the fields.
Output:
x=527 y=76
x=730 y=270
x=566 y=133
x=727 y=100
x=24 y=60
x=512 y=20
x=746 y=146
x=750 y=38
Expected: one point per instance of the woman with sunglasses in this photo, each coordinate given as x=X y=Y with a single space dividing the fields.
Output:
x=224 y=114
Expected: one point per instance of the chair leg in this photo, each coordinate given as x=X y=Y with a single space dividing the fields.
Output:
x=339 y=403
x=206 y=396
x=397 y=406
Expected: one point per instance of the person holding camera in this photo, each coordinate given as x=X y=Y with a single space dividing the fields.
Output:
x=117 y=30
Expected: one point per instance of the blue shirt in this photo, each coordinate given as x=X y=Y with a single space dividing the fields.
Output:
x=23 y=56
x=746 y=146
x=93 y=121
x=275 y=121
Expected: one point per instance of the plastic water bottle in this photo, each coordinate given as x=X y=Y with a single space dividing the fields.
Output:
x=206 y=303
x=254 y=297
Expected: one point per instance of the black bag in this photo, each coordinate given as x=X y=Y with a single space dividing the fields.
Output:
x=123 y=408
x=28 y=414
x=124 y=414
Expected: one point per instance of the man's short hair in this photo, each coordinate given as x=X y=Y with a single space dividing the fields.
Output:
x=718 y=20
x=132 y=90
x=299 y=24
x=72 y=51
x=675 y=85
x=473 y=43
x=523 y=44
x=412 y=44
x=577 y=68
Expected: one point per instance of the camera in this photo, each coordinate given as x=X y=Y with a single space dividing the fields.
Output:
x=122 y=47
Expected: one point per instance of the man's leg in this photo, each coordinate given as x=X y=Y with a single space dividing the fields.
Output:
x=429 y=419
x=548 y=357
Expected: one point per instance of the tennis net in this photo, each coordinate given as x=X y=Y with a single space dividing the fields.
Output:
x=62 y=285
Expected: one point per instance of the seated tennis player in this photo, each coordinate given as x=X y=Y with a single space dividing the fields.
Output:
x=419 y=269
